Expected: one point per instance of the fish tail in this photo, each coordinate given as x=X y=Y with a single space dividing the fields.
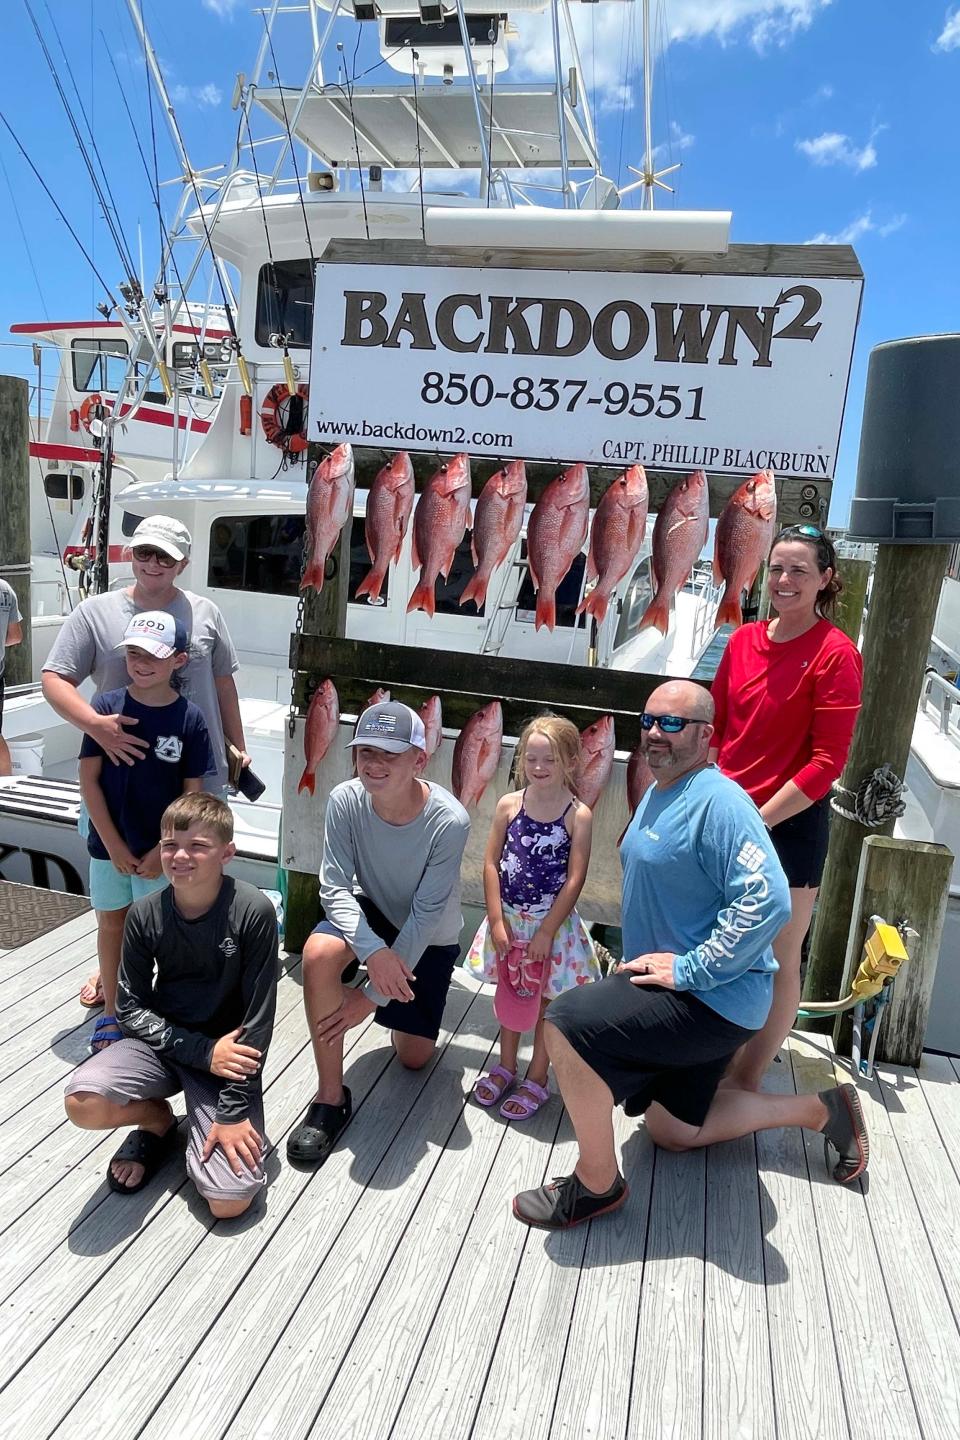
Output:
x=308 y=781
x=370 y=584
x=313 y=576
x=475 y=590
x=423 y=599
x=594 y=604
x=657 y=613
x=546 y=610
x=729 y=612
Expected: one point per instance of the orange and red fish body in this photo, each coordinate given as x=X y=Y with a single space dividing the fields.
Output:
x=476 y=754
x=431 y=714
x=329 y=508
x=617 y=532
x=496 y=525
x=378 y=697
x=679 y=535
x=639 y=779
x=555 y=536
x=323 y=718
x=388 y=512
x=744 y=535
x=439 y=524
x=597 y=743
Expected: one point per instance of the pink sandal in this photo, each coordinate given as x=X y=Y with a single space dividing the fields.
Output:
x=486 y=1093
x=529 y=1104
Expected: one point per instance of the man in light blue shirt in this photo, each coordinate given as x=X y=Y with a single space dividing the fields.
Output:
x=703 y=898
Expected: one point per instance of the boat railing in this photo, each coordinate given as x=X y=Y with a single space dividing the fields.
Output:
x=941 y=700
x=707 y=593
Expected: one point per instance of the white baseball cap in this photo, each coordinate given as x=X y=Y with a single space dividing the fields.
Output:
x=390 y=726
x=156 y=632
x=166 y=534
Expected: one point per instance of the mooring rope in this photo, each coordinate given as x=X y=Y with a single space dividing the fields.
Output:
x=876 y=800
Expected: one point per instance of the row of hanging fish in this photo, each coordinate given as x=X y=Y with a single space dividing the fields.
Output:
x=556 y=532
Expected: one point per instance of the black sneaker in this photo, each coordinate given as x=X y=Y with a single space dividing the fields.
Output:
x=313 y=1139
x=846 y=1132
x=566 y=1201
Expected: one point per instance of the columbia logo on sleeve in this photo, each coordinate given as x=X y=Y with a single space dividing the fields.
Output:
x=751 y=856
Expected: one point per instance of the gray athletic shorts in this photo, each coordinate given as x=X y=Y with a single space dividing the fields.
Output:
x=130 y=1070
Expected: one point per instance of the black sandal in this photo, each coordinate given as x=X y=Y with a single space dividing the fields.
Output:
x=846 y=1132
x=313 y=1139
x=142 y=1147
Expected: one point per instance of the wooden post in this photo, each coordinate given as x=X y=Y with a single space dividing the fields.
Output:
x=853 y=596
x=15 y=515
x=900 y=880
x=906 y=587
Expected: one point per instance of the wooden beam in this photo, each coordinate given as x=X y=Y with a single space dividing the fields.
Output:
x=15 y=515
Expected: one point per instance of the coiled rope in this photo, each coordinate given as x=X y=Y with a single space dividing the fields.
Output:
x=876 y=800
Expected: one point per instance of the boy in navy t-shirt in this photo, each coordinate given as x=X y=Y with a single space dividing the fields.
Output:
x=126 y=802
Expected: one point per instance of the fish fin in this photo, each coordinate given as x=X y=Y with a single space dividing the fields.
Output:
x=546 y=611
x=370 y=585
x=415 y=560
x=313 y=576
x=718 y=575
x=308 y=782
x=473 y=549
x=475 y=590
x=592 y=571
x=657 y=613
x=423 y=598
x=594 y=604
x=729 y=612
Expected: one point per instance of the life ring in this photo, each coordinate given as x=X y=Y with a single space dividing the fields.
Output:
x=284 y=418
x=86 y=409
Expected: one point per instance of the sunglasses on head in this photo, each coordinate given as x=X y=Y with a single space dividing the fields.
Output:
x=669 y=724
x=812 y=532
x=143 y=553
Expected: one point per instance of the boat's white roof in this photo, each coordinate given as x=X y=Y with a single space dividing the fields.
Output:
x=386 y=126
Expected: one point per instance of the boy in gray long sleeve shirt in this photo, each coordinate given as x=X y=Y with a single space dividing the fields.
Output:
x=390 y=886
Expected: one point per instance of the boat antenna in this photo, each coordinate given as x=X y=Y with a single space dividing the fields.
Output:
x=416 y=116
x=356 y=138
x=293 y=153
x=650 y=180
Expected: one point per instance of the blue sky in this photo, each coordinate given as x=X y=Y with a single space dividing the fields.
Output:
x=809 y=119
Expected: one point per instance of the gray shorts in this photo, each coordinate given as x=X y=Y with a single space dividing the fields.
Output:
x=130 y=1070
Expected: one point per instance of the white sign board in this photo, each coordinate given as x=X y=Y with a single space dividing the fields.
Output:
x=730 y=373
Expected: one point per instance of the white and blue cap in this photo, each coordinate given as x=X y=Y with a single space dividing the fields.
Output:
x=156 y=632
x=390 y=726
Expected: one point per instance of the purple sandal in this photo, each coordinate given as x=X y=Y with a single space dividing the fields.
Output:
x=529 y=1103
x=493 y=1094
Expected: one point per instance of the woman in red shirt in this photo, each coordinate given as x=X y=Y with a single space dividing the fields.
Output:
x=787 y=693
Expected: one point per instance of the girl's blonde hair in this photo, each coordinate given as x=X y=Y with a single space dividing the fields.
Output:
x=564 y=740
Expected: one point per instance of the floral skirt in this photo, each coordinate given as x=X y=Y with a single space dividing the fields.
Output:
x=573 y=960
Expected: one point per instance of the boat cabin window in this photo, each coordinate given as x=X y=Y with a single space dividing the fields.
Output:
x=635 y=601
x=257 y=552
x=568 y=595
x=129 y=522
x=185 y=355
x=63 y=487
x=99 y=364
x=285 y=303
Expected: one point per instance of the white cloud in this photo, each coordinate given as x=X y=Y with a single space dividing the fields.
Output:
x=222 y=8
x=832 y=148
x=949 y=37
x=863 y=225
x=202 y=95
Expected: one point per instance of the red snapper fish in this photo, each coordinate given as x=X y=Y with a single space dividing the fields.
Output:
x=555 y=536
x=619 y=525
x=639 y=779
x=388 y=512
x=329 y=507
x=679 y=535
x=476 y=754
x=323 y=718
x=496 y=525
x=597 y=744
x=744 y=535
x=378 y=697
x=439 y=524
x=431 y=714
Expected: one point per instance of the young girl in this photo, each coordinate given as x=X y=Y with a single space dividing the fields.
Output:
x=533 y=944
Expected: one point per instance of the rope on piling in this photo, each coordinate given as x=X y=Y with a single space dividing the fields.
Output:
x=876 y=800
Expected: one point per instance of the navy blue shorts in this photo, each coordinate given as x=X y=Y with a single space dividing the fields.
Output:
x=801 y=845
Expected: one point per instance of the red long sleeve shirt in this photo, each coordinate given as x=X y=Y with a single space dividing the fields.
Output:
x=786 y=711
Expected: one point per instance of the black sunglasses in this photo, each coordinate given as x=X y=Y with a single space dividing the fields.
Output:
x=669 y=724
x=143 y=553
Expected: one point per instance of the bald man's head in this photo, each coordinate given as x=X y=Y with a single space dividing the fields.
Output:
x=672 y=753
x=683 y=697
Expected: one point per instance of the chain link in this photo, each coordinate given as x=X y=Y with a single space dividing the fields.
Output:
x=298 y=628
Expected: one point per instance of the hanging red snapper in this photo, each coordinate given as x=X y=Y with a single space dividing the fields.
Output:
x=476 y=754
x=439 y=524
x=744 y=535
x=639 y=778
x=597 y=744
x=679 y=535
x=496 y=525
x=431 y=714
x=323 y=718
x=619 y=525
x=555 y=536
x=329 y=507
x=378 y=697
x=388 y=512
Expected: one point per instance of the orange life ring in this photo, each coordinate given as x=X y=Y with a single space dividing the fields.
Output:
x=90 y=404
x=276 y=418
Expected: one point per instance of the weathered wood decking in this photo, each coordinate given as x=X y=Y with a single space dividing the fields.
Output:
x=391 y=1294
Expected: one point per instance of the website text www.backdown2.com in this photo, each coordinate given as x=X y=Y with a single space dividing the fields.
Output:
x=411 y=433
